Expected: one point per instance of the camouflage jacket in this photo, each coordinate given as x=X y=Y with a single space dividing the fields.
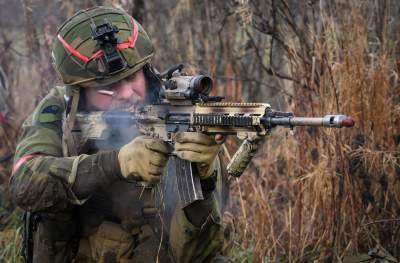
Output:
x=44 y=181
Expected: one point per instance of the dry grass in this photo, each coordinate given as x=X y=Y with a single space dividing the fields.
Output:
x=314 y=195
x=321 y=195
x=10 y=239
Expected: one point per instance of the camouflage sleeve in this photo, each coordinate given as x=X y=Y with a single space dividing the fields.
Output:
x=44 y=180
x=196 y=233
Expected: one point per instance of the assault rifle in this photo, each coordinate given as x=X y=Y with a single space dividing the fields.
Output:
x=187 y=106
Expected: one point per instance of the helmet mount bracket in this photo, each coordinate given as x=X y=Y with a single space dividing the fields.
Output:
x=105 y=35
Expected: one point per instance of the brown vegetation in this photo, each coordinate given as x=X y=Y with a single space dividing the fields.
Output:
x=309 y=194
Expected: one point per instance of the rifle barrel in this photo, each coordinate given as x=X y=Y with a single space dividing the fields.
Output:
x=332 y=121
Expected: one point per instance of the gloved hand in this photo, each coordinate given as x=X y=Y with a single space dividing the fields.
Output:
x=199 y=148
x=144 y=159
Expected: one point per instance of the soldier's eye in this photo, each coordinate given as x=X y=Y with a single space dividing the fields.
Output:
x=111 y=86
x=108 y=87
x=132 y=77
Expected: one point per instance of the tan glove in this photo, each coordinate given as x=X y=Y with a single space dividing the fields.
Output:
x=144 y=159
x=199 y=148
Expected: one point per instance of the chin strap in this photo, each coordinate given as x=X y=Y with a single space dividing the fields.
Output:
x=72 y=101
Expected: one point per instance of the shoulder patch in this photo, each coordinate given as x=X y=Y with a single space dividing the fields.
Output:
x=50 y=108
x=50 y=114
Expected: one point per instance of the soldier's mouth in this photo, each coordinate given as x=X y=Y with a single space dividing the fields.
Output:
x=130 y=105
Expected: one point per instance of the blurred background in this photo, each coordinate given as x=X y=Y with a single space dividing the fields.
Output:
x=310 y=195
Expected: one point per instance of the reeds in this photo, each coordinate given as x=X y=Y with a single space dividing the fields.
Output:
x=321 y=195
x=310 y=195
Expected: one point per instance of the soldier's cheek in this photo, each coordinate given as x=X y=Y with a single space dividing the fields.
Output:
x=139 y=89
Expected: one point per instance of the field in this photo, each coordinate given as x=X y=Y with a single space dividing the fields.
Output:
x=310 y=195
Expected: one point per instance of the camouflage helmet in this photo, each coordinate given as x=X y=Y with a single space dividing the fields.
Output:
x=81 y=58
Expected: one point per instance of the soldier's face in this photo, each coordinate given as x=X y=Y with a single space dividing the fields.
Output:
x=124 y=94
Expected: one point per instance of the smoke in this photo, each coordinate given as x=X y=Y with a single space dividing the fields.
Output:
x=118 y=128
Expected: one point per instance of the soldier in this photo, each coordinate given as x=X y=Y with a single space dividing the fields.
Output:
x=91 y=201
